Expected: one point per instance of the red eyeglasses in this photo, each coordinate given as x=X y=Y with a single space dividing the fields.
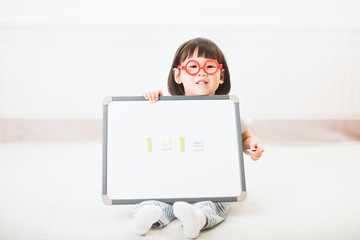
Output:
x=193 y=67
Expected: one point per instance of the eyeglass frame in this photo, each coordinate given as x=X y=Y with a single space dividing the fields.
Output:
x=218 y=67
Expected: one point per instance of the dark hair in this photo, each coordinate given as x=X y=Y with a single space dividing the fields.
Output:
x=204 y=48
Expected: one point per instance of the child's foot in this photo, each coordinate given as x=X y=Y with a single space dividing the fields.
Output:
x=145 y=217
x=192 y=220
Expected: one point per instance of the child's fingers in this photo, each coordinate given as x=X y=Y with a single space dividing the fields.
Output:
x=153 y=96
x=257 y=154
x=255 y=150
x=158 y=93
x=149 y=96
x=258 y=149
x=254 y=157
x=146 y=95
x=255 y=144
x=254 y=154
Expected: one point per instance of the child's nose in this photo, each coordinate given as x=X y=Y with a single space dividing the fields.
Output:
x=202 y=72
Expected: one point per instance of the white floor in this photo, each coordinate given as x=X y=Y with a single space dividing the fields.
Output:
x=53 y=191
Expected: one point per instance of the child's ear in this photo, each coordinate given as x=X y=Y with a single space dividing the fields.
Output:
x=177 y=75
x=222 y=76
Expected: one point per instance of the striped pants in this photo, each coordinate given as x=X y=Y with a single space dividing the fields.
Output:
x=215 y=212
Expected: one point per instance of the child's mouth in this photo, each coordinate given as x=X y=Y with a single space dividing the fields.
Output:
x=202 y=82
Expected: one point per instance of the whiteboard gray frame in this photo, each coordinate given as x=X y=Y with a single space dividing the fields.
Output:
x=105 y=198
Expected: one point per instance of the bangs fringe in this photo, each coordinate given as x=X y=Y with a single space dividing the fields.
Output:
x=203 y=47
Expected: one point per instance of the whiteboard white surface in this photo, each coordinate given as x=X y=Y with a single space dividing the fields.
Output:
x=205 y=166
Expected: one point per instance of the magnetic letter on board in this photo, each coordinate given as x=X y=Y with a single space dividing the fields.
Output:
x=197 y=145
x=165 y=144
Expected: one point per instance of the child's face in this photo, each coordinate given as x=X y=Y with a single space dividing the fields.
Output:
x=201 y=83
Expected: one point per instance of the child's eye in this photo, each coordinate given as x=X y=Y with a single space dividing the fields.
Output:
x=193 y=66
x=210 y=66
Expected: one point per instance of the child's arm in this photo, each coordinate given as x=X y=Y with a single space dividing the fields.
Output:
x=251 y=146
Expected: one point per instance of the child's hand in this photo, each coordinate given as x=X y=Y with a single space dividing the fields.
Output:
x=153 y=96
x=256 y=150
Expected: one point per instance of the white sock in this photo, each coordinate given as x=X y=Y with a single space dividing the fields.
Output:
x=145 y=217
x=192 y=220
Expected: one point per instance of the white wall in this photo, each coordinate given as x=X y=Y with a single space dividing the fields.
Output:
x=288 y=59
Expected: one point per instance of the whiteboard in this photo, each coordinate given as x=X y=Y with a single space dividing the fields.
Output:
x=180 y=148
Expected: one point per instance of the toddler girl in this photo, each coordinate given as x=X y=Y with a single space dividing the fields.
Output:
x=199 y=68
